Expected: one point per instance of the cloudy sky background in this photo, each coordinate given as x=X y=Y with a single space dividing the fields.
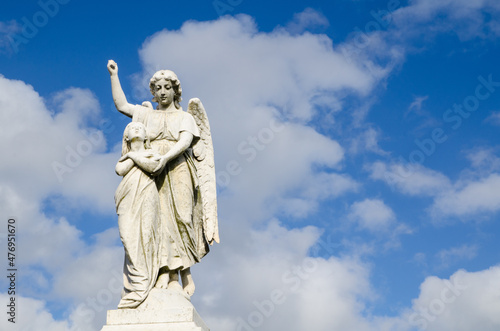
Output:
x=357 y=158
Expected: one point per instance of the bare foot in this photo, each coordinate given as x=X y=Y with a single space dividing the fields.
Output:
x=163 y=279
x=173 y=282
x=187 y=281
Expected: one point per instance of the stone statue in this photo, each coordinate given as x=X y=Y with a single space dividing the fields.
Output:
x=166 y=201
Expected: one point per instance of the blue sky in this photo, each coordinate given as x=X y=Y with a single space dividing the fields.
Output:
x=357 y=157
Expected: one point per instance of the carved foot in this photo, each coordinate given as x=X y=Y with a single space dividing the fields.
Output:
x=162 y=281
x=165 y=277
x=187 y=282
x=173 y=281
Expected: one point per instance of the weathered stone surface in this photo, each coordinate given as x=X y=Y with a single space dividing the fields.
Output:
x=163 y=310
x=166 y=206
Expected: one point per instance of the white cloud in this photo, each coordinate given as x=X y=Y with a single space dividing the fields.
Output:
x=416 y=105
x=466 y=18
x=366 y=141
x=313 y=293
x=469 y=197
x=57 y=267
x=31 y=314
x=260 y=89
x=43 y=238
x=268 y=94
x=475 y=192
x=327 y=185
x=312 y=190
x=481 y=158
x=466 y=301
x=57 y=264
x=279 y=69
x=55 y=151
x=99 y=260
x=494 y=118
x=372 y=214
x=7 y=29
x=411 y=179
x=307 y=19
x=454 y=254
x=285 y=169
x=483 y=162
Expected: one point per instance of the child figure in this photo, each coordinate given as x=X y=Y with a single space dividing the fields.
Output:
x=137 y=206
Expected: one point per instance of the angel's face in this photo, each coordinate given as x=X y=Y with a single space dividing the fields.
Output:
x=164 y=92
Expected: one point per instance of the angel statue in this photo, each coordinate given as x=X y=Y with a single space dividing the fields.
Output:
x=184 y=176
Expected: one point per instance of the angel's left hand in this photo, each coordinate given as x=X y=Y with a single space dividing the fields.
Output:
x=159 y=168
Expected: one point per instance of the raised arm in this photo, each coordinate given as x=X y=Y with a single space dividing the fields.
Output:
x=116 y=89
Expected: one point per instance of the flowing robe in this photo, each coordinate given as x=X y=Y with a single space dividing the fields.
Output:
x=182 y=243
x=137 y=206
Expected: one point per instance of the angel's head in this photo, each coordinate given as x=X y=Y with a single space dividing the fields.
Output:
x=134 y=131
x=166 y=79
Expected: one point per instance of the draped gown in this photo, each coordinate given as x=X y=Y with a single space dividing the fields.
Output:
x=182 y=241
x=137 y=206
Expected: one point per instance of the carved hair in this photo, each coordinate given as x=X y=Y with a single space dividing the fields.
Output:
x=126 y=141
x=176 y=84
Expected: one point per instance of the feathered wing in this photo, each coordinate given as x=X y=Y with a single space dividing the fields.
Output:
x=203 y=155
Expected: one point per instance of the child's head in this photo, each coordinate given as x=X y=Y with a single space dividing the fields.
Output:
x=134 y=130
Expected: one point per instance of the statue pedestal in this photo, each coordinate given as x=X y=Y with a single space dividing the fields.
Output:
x=164 y=310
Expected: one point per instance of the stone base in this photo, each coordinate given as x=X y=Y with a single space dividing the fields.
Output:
x=165 y=310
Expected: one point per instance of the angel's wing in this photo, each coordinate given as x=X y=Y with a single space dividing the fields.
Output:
x=203 y=152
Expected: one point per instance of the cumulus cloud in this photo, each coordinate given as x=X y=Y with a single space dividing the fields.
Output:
x=61 y=146
x=58 y=268
x=274 y=163
x=372 y=214
x=36 y=316
x=466 y=18
x=284 y=287
x=454 y=254
x=466 y=301
x=367 y=141
x=483 y=160
x=470 y=197
x=315 y=189
x=238 y=58
x=64 y=131
x=474 y=193
x=494 y=118
x=306 y=20
x=261 y=91
x=413 y=179
x=270 y=92
x=267 y=104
